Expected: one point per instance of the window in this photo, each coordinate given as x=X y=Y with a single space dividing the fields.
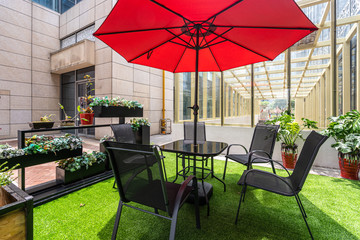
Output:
x=86 y=33
x=209 y=95
x=218 y=101
x=353 y=92
x=186 y=96
x=58 y=5
x=201 y=95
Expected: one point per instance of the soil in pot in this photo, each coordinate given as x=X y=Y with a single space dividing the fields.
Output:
x=289 y=155
x=349 y=169
x=67 y=123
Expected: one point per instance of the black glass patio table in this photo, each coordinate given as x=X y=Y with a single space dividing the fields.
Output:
x=193 y=154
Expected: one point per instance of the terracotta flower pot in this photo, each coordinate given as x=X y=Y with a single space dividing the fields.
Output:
x=348 y=169
x=89 y=118
x=289 y=155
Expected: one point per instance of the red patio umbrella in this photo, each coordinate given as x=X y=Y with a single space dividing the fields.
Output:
x=202 y=35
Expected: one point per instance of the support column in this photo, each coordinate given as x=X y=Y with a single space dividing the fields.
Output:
x=346 y=76
x=333 y=58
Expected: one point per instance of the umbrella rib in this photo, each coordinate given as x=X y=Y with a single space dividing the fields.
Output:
x=133 y=31
x=187 y=44
x=218 y=36
x=172 y=11
x=265 y=27
x=241 y=46
x=213 y=56
x=154 y=47
x=179 y=60
x=216 y=14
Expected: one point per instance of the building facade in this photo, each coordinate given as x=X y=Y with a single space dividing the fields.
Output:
x=46 y=48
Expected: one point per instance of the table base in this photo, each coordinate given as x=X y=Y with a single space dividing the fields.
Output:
x=202 y=195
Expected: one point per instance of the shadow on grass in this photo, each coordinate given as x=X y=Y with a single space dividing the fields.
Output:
x=263 y=215
x=347 y=182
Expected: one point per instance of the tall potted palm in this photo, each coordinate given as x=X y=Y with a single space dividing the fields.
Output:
x=345 y=129
x=289 y=132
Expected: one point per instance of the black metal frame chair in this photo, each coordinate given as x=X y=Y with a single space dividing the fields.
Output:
x=123 y=133
x=139 y=174
x=262 y=145
x=286 y=186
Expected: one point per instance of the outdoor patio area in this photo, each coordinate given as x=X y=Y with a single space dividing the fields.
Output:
x=331 y=205
x=191 y=119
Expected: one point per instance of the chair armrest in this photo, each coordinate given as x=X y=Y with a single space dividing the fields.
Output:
x=250 y=162
x=269 y=173
x=270 y=160
x=231 y=145
x=182 y=190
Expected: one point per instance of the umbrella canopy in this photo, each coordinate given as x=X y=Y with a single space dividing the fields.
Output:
x=202 y=35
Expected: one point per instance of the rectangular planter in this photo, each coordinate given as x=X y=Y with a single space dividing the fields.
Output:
x=113 y=111
x=142 y=136
x=35 y=159
x=16 y=217
x=66 y=177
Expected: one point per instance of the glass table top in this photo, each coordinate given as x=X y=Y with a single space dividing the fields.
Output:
x=203 y=148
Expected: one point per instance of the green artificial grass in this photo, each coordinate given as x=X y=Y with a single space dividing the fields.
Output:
x=332 y=206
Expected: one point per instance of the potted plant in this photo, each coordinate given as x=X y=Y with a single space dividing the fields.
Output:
x=77 y=168
x=345 y=130
x=16 y=208
x=289 y=132
x=46 y=121
x=116 y=107
x=86 y=115
x=141 y=128
x=68 y=121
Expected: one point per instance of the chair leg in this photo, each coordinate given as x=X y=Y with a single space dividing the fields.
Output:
x=302 y=210
x=243 y=190
x=226 y=160
x=197 y=211
x=114 y=185
x=117 y=220
x=173 y=227
x=273 y=167
x=156 y=211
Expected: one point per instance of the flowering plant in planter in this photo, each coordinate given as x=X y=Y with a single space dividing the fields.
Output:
x=6 y=152
x=345 y=130
x=85 y=160
x=289 y=132
x=136 y=123
x=117 y=102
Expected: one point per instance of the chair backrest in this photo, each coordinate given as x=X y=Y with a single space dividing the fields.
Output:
x=123 y=133
x=306 y=159
x=189 y=131
x=138 y=174
x=264 y=138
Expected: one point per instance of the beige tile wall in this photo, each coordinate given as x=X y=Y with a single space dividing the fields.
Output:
x=28 y=33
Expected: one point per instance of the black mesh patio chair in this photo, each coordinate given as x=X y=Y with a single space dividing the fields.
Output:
x=189 y=138
x=286 y=186
x=262 y=145
x=139 y=174
x=123 y=133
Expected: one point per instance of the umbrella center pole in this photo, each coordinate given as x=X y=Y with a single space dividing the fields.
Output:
x=196 y=106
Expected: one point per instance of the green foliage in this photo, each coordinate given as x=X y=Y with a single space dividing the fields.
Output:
x=119 y=102
x=45 y=144
x=6 y=174
x=107 y=138
x=290 y=130
x=85 y=160
x=7 y=152
x=136 y=123
x=345 y=129
x=47 y=118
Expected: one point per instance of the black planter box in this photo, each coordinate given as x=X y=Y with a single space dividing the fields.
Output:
x=20 y=208
x=142 y=136
x=66 y=177
x=113 y=111
x=35 y=159
x=39 y=125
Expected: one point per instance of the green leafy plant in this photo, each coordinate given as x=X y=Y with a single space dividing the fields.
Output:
x=107 y=138
x=118 y=102
x=345 y=130
x=136 y=123
x=85 y=160
x=47 y=118
x=290 y=130
x=7 y=152
x=6 y=174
